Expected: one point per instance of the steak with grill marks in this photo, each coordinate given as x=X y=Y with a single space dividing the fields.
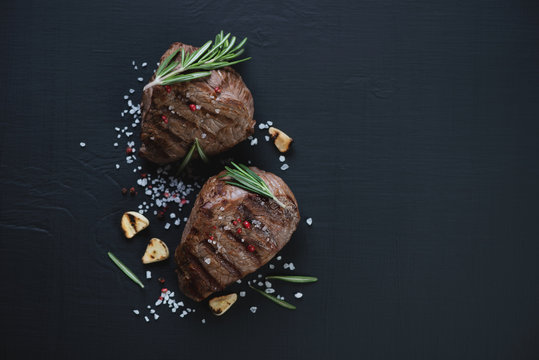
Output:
x=220 y=120
x=213 y=252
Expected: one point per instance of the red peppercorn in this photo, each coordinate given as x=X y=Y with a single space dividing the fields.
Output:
x=124 y=191
x=211 y=237
x=129 y=150
x=167 y=194
x=183 y=201
x=161 y=280
x=238 y=231
x=238 y=219
x=167 y=88
x=164 y=290
x=251 y=248
x=246 y=224
x=214 y=227
x=143 y=175
x=161 y=298
x=193 y=107
x=234 y=222
x=132 y=191
x=165 y=120
x=161 y=215
x=218 y=89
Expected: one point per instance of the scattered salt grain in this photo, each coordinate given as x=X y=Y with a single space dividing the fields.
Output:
x=309 y=221
x=242 y=293
x=148 y=274
x=279 y=257
x=136 y=312
x=284 y=167
x=282 y=158
x=115 y=144
x=254 y=142
x=298 y=295
x=207 y=260
x=239 y=281
x=268 y=284
x=156 y=316
x=82 y=144
x=270 y=123
x=270 y=291
x=144 y=64
x=267 y=137
x=131 y=91
x=140 y=79
x=146 y=318
x=152 y=311
x=260 y=283
x=167 y=226
x=203 y=321
x=253 y=309
x=291 y=267
x=117 y=166
x=271 y=266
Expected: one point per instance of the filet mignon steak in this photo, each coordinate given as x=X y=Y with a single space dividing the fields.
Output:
x=219 y=120
x=216 y=249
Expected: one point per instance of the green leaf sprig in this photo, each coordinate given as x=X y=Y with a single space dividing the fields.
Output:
x=125 y=269
x=205 y=58
x=196 y=146
x=294 y=279
x=274 y=299
x=247 y=179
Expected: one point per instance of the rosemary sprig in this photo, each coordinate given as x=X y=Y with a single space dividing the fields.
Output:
x=125 y=269
x=196 y=145
x=294 y=279
x=250 y=181
x=205 y=58
x=274 y=299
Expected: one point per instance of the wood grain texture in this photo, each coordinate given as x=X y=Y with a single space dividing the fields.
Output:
x=415 y=126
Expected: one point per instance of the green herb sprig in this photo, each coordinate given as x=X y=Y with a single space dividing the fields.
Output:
x=205 y=58
x=274 y=299
x=196 y=145
x=294 y=279
x=125 y=269
x=247 y=179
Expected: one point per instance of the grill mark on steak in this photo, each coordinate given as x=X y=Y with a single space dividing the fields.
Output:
x=195 y=263
x=222 y=260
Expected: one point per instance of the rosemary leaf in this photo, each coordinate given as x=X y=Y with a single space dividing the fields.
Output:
x=186 y=159
x=295 y=279
x=200 y=151
x=125 y=269
x=274 y=299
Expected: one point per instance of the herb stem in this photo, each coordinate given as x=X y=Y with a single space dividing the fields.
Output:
x=274 y=299
x=294 y=279
x=125 y=269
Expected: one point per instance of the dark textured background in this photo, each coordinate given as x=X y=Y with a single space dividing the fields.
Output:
x=416 y=154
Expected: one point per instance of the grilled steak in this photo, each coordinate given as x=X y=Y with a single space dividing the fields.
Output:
x=218 y=247
x=219 y=120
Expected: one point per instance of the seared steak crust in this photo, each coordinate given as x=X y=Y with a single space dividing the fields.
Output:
x=223 y=120
x=205 y=265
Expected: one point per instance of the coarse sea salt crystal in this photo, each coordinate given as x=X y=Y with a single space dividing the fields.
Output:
x=254 y=142
x=260 y=283
x=242 y=293
x=270 y=123
x=146 y=318
x=253 y=309
x=82 y=144
x=271 y=266
x=167 y=226
x=172 y=215
x=207 y=260
x=148 y=274
x=267 y=137
x=117 y=166
x=140 y=79
x=131 y=91
x=152 y=311
x=298 y=295
x=136 y=312
x=291 y=267
x=270 y=291
x=284 y=167
x=282 y=158
x=309 y=221
x=115 y=144
x=156 y=316
x=203 y=321
x=268 y=284
x=279 y=257
x=203 y=135
x=261 y=126
x=144 y=64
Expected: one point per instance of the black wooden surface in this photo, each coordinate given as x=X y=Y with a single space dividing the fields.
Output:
x=416 y=154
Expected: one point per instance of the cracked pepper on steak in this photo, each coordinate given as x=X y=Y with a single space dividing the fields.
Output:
x=206 y=266
x=223 y=120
